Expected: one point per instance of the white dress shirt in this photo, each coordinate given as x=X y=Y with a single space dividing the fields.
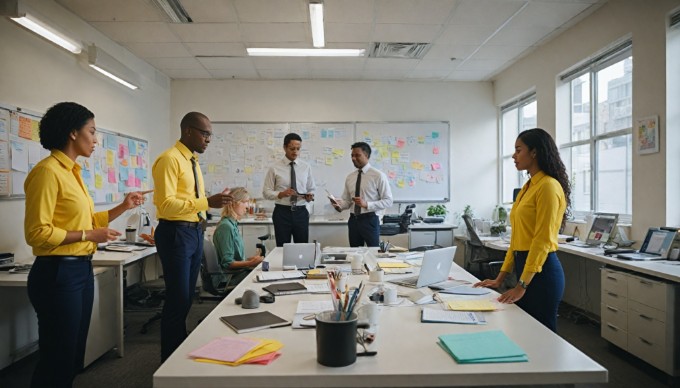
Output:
x=375 y=190
x=278 y=180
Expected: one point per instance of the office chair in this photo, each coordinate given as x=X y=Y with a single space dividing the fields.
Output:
x=217 y=281
x=486 y=260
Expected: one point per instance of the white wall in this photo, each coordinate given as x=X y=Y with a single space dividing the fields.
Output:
x=468 y=106
x=646 y=23
x=673 y=128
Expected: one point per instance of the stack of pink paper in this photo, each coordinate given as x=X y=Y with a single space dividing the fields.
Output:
x=235 y=351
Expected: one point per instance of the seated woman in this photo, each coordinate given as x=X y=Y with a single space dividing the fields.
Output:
x=228 y=241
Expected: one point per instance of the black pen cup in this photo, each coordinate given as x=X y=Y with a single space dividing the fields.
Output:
x=336 y=338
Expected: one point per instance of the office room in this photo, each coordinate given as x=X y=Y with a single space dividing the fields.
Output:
x=488 y=61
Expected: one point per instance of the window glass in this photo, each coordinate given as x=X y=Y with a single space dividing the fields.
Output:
x=580 y=108
x=615 y=175
x=511 y=179
x=615 y=97
x=529 y=116
x=510 y=132
x=577 y=161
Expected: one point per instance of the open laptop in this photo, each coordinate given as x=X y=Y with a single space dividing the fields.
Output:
x=656 y=246
x=300 y=255
x=600 y=231
x=434 y=269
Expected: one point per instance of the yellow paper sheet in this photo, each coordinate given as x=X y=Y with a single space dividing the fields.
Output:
x=471 y=305
x=388 y=264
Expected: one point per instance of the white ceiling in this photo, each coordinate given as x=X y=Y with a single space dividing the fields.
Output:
x=472 y=40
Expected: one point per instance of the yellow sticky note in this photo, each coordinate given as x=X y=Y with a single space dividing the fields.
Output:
x=98 y=181
x=329 y=160
x=471 y=305
x=109 y=158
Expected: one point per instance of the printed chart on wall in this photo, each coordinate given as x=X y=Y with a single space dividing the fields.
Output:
x=118 y=165
x=415 y=157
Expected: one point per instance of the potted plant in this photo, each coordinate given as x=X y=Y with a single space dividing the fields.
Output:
x=500 y=216
x=437 y=211
x=467 y=211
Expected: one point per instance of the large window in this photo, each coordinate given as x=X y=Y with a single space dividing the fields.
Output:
x=596 y=145
x=515 y=117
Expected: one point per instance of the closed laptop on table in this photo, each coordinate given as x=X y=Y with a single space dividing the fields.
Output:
x=300 y=255
x=434 y=269
x=656 y=246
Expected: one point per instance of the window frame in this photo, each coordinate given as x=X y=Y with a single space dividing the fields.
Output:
x=518 y=104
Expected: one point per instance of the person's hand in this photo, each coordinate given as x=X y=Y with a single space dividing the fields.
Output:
x=488 y=283
x=512 y=295
x=360 y=201
x=255 y=260
x=309 y=197
x=221 y=199
x=135 y=198
x=101 y=235
x=287 y=193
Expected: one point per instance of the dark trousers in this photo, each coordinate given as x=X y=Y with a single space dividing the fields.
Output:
x=544 y=294
x=289 y=223
x=61 y=293
x=364 y=230
x=180 y=249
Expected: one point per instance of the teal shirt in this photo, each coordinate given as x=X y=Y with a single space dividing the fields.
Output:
x=228 y=242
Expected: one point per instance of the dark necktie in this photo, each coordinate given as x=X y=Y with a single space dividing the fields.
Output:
x=357 y=193
x=293 y=183
x=193 y=168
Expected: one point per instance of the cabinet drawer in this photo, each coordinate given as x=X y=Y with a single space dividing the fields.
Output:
x=637 y=308
x=614 y=316
x=649 y=292
x=613 y=299
x=650 y=329
x=614 y=334
x=652 y=352
x=615 y=282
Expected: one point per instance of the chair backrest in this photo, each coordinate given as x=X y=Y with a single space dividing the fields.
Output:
x=474 y=238
x=210 y=257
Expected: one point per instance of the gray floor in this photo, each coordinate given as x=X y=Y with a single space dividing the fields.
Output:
x=142 y=356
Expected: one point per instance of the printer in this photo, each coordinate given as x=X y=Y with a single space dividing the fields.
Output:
x=6 y=260
x=396 y=223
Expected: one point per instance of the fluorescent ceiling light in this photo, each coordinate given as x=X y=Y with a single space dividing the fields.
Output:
x=109 y=66
x=299 y=52
x=316 y=18
x=174 y=10
x=49 y=33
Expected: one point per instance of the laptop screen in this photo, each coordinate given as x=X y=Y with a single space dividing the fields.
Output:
x=658 y=241
x=601 y=230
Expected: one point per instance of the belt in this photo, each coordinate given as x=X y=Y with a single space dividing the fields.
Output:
x=289 y=208
x=185 y=224
x=64 y=258
x=363 y=215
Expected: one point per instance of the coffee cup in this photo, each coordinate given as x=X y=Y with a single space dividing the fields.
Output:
x=357 y=263
x=131 y=234
x=369 y=314
x=376 y=276
x=336 y=338
x=390 y=295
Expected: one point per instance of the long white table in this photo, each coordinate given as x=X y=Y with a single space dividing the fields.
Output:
x=408 y=354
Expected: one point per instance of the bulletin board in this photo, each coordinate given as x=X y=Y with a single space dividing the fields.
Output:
x=413 y=155
x=119 y=164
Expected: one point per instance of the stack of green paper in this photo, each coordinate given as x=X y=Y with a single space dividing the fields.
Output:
x=482 y=347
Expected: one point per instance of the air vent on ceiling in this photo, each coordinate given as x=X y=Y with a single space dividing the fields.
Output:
x=398 y=50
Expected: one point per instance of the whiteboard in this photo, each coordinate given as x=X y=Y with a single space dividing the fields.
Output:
x=240 y=154
x=415 y=157
x=119 y=164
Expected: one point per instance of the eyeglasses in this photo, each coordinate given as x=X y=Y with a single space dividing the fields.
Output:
x=206 y=135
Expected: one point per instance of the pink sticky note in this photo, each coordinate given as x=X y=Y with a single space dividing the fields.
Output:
x=227 y=349
x=112 y=175
x=435 y=150
x=436 y=166
x=401 y=143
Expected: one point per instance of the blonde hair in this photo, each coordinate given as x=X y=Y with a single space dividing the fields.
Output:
x=238 y=194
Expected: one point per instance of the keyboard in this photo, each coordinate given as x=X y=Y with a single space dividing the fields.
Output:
x=408 y=282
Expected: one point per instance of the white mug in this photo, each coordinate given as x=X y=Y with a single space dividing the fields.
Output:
x=369 y=312
x=357 y=263
x=390 y=295
x=376 y=276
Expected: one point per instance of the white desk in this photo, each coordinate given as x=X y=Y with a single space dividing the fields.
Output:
x=407 y=351
x=430 y=234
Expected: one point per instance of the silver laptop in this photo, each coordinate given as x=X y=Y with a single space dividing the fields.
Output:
x=600 y=231
x=300 y=255
x=434 y=269
x=656 y=246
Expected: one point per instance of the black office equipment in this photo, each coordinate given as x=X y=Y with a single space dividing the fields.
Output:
x=397 y=223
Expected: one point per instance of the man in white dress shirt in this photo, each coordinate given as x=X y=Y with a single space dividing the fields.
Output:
x=367 y=193
x=289 y=183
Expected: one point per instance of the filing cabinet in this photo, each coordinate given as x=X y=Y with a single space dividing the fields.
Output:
x=639 y=316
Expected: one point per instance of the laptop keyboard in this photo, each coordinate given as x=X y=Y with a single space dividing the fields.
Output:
x=412 y=281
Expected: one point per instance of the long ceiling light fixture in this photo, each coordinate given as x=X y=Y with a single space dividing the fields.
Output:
x=316 y=19
x=48 y=32
x=174 y=9
x=299 y=52
x=104 y=63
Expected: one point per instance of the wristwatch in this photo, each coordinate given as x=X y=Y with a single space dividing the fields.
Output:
x=523 y=284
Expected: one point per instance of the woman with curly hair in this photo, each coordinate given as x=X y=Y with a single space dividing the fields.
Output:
x=539 y=212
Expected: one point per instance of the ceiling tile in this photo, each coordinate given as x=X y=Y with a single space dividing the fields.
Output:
x=243 y=73
x=429 y=74
x=207 y=32
x=485 y=13
x=136 y=31
x=465 y=35
x=462 y=75
x=119 y=11
x=348 y=11
x=210 y=11
x=519 y=36
x=436 y=64
x=285 y=63
x=268 y=11
x=276 y=32
x=406 y=33
x=212 y=63
x=414 y=11
x=336 y=63
x=481 y=65
x=175 y=63
x=187 y=73
x=158 y=50
x=284 y=74
x=224 y=49
x=390 y=64
x=339 y=32
x=395 y=74
x=449 y=51
x=337 y=74
x=500 y=52
x=550 y=14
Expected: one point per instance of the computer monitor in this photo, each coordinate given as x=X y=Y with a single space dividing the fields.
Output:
x=515 y=193
x=602 y=228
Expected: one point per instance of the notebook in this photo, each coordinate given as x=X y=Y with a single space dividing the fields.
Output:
x=244 y=323
x=435 y=268
x=301 y=256
x=285 y=288
x=656 y=246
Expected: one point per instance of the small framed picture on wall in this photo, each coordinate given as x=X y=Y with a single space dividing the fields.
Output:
x=646 y=132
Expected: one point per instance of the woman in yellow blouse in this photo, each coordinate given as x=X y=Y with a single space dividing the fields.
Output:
x=536 y=218
x=63 y=229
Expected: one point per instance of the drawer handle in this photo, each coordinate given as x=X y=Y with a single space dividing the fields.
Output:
x=645 y=341
x=612 y=294
x=645 y=282
x=614 y=327
x=612 y=278
x=612 y=309
x=645 y=317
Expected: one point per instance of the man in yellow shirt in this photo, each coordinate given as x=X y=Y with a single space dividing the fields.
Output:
x=181 y=209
